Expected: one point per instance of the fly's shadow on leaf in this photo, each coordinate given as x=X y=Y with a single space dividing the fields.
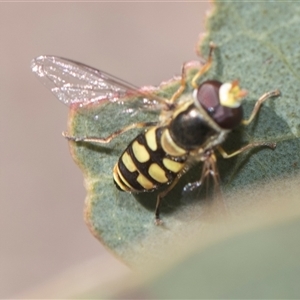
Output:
x=176 y=199
x=98 y=148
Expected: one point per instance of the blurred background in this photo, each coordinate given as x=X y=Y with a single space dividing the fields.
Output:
x=42 y=232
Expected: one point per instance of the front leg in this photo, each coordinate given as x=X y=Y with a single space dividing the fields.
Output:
x=247 y=147
x=258 y=104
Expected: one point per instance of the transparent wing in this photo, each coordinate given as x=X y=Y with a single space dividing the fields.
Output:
x=100 y=103
x=75 y=83
x=72 y=82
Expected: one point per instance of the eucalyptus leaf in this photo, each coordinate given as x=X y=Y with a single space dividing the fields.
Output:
x=257 y=43
x=260 y=264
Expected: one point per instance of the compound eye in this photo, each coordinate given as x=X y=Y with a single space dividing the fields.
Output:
x=208 y=97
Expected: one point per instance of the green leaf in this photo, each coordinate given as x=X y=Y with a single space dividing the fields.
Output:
x=257 y=44
x=256 y=263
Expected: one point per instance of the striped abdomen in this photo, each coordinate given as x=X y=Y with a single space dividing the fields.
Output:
x=150 y=160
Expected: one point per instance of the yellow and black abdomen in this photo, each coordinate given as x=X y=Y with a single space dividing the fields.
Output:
x=149 y=161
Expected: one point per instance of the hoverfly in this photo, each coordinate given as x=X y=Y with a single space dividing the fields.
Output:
x=190 y=128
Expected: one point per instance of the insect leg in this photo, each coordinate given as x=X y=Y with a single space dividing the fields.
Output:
x=162 y=195
x=247 y=147
x=205 y=67
x=209 y=169
x=108 y=139
x=180 y=90
x=258 y=104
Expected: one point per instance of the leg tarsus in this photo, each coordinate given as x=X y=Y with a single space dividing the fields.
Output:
x=225 y=155
x=205 y=67
x=108 y=139
x=258 y=104
x=161 y=195
x=66 y=135
x=158 y=221
x=180 y=90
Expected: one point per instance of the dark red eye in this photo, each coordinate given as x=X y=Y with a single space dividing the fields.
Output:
x=208 y=96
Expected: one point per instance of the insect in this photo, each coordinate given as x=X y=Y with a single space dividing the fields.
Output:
x=191 y=126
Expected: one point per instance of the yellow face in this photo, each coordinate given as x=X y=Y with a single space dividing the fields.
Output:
x=231 y=94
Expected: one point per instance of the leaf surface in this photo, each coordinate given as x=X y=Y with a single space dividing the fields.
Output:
x=257 y=44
